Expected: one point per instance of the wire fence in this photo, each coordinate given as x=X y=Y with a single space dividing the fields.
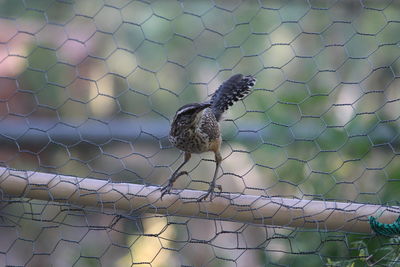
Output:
x=87 y=93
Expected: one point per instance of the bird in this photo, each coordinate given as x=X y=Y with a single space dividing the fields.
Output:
x=195 y=127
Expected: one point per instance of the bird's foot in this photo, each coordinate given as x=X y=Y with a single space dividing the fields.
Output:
x=210 y=192
x=167 y=188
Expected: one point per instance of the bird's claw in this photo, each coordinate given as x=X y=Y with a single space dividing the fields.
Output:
x=167 y=188
x=210 y=192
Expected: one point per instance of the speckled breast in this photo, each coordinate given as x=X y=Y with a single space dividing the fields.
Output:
x=199 y=137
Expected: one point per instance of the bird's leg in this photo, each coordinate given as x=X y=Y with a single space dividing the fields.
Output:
x=166 y=189
x=210 y=191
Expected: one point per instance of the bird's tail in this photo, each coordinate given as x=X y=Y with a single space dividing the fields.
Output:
x=232 y=90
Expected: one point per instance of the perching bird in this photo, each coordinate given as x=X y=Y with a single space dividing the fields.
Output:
x=195 y=128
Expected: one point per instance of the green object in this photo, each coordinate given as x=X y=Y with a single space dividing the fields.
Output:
x=386 y=229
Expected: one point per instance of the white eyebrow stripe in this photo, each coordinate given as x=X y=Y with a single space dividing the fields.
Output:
x=183 y=110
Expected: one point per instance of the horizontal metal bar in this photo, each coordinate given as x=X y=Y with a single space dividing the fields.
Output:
x=138 y=199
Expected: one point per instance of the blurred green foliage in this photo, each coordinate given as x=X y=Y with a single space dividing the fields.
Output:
x=321 y=123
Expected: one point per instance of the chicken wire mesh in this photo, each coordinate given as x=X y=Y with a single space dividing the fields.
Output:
x=88 y=89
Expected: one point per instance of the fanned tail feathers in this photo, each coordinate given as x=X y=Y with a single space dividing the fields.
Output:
x=232 y=90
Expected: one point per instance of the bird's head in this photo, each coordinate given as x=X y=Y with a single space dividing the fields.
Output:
x=189 y=114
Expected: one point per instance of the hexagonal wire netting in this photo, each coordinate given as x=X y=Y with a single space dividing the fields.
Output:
x=88 y=90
